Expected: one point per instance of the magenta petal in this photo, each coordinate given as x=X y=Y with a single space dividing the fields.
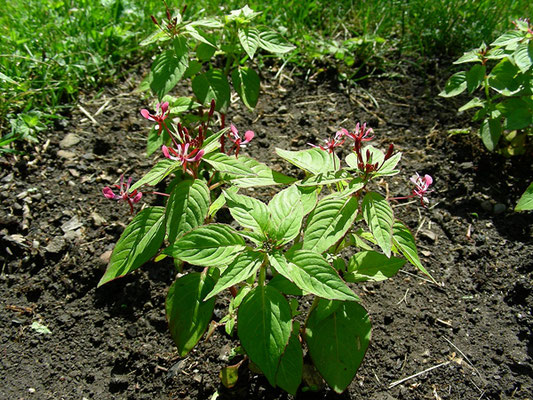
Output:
x=146 y=114
x=109 y=193
x=249 y=135
x=164 y=107
x=164 y=149
x=234 y=131
x=198 y=155
x=428 y=179
x=137 y=197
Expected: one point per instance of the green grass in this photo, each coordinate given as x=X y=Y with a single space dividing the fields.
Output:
x=52 y=49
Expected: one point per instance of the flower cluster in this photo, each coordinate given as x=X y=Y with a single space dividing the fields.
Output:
x=124 y=194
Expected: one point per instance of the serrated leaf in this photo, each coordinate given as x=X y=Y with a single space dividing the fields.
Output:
x=475 y=102
x=337 y=344
x=455 y=85
x=290 y=368
x=249 y=39
x=247 y=85
x=328 y=222
x=326 y=178
x=212 y=85
x=208 y=245
x=379 y=216
x=248 y=211
x=508 y=38
x=523 y=56
x=241 y=268
x=313 y=160
x=312 y=273
x=226 y=164
x=475 y=77
x=468 y=57
x=503 y=78
x=168 y=68
x=273 y=42
x=159 y=172
x=187 y=207
x=372 y=266
x=526 y=200
x=188 y=315
x=264 y=175
x=139 y=242
x=286 y=214
x=491 y=131
x=405 y=242
x=264 y=327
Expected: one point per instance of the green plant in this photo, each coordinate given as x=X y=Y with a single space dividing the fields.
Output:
x=298 y=244
x=208 y=52
x=502 y=74
x=526 y=201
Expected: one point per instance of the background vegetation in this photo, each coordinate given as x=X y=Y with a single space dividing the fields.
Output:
x=52 y=49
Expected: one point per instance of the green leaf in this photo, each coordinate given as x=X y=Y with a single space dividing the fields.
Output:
x=379 y=217
x=243 y=266
x=526 y=201
x=337 y=344
x=220 y=201
x=372 y=266
x=455 y=85
x=312 y=273
x=468 y=57
x=159 y=172
x=212 y=85
x=523 y=56
x=309 y=197
x=187 y=207
x=179 y=105
x=264 y=176
x=274 y=42
x=475 y=102
x=286 y=214
x=168 y=68
x=248 y=211
x=246 y=84
x=138 y=243
x=205 y=51
x=212 y=142
x=188 y=314
x=290 y=367
x=285 y=286
x=475 y=77
x=491 y=131
x=7 y=79
x=313 y=160
x=517 y=113
x=226 y=164
x=326 y=178
x=405 y=242
x=328 y=222
x=249 y=38
x=353 y=186
x=154 y=141
x=503 y=78
x=40 y=328
x=264 y=328
x=208 y=245
x=508 y=38
x=200 y=35
x=387 y=168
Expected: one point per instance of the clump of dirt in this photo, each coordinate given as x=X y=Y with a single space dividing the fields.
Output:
x=471 y=334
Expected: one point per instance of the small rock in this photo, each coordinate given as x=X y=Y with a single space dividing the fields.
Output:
x=197 y=378
x=31 y=390
x=499 y=208
x=72 y=224
x=70 y=140
x=282 y=108
x=73 y=235
x=68 y=155
x=98 y=220
x=486 y=205
x=429 y=235
x=105 y=257
x=56 y=245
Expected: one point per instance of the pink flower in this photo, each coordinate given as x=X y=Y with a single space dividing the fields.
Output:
x=332 y=143
x=236 y=139
x=361 y=134
x=130 y=198
x=422 y=185
x=181 y=154
x=160 y=115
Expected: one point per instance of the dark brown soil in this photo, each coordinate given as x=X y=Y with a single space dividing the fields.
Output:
x=56 y=231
